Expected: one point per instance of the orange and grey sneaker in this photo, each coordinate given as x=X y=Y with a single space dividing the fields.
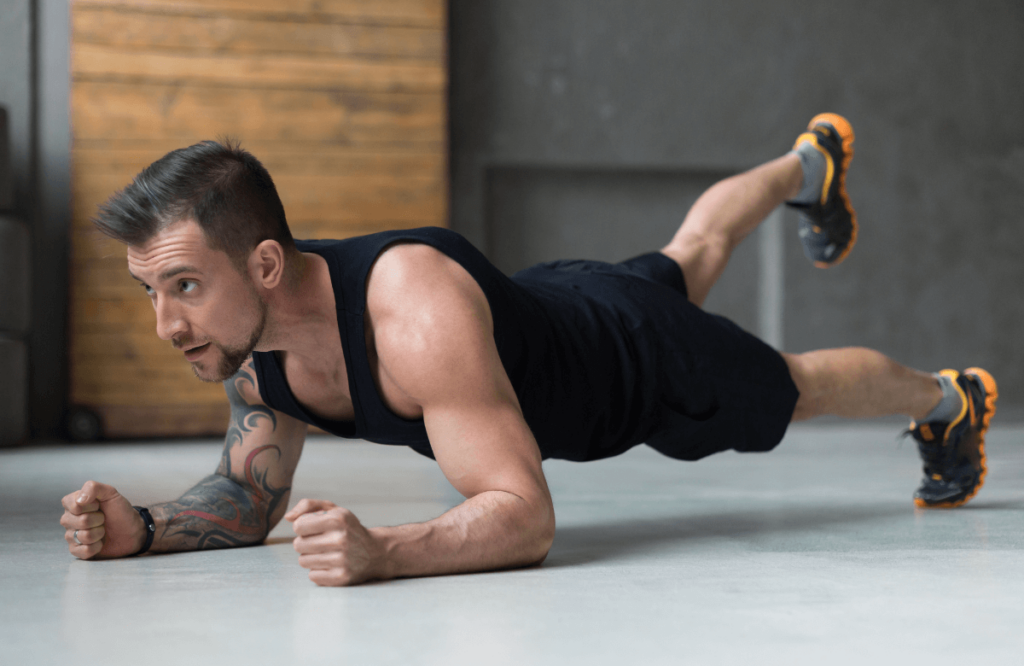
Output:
x=954 y=452
x=828 y=226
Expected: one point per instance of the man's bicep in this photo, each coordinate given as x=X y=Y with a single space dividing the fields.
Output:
x=262 y=445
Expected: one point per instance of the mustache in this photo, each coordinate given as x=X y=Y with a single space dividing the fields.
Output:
x=186 y=343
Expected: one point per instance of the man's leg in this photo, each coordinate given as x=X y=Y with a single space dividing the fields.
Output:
x=726 y=214
x=950 y=413
x=855 y=382
x=851 y=382
x=810 y=178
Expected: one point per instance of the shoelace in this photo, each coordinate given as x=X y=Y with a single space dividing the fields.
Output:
x=937 y=457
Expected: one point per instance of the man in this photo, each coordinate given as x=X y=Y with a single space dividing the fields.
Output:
x=413 y=338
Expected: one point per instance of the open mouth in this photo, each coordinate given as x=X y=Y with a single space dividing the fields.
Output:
x=196 y=352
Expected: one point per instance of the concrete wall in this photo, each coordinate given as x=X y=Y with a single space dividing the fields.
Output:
x=575 y=118
x=34 y=90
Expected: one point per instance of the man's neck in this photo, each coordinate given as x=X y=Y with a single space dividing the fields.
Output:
x=302 y=316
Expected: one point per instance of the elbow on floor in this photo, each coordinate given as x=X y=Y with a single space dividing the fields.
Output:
x=544 y=538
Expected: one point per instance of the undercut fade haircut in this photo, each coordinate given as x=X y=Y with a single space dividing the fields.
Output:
x=222 y=187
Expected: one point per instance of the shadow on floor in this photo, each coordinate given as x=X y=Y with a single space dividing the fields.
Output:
x=581 y=544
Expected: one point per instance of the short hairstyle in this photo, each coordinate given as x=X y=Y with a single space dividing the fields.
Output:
x=222 y=187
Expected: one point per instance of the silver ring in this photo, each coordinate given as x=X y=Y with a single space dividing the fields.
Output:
x=75 y=537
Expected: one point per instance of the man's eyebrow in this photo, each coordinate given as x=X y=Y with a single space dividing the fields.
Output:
x=168 y=274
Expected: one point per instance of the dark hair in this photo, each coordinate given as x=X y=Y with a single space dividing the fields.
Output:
x=222 y=187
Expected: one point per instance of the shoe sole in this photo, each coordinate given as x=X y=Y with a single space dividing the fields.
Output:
x=991 y=395
x=845 y=130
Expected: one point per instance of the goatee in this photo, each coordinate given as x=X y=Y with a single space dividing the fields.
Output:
x=232 y=358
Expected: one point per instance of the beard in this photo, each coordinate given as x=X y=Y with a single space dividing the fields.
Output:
x=232 y=358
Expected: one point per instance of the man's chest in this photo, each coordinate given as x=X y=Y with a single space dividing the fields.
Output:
x=324 y=388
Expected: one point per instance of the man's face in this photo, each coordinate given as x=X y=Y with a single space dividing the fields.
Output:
x=204 y=306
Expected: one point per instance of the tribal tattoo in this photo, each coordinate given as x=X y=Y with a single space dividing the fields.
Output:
x=233 y=507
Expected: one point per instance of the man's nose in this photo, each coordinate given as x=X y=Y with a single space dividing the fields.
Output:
x=169 y=322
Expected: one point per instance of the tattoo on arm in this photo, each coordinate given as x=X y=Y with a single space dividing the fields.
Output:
x=232 y=507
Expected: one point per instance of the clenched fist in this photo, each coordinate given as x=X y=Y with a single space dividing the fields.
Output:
x=334 y=545
x=105 y=523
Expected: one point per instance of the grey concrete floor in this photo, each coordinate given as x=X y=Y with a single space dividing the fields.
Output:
x=811 y=554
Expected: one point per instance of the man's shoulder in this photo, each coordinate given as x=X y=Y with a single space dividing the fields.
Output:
x=411 y=277
x=425 y=311
x=403 y=260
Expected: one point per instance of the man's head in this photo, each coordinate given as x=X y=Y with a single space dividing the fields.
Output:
x=206 y=236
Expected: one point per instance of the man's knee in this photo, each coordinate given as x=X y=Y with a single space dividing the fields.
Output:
x=808 y=404
x=702 y=257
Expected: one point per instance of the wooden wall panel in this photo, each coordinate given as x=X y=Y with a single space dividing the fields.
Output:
x=344 y=101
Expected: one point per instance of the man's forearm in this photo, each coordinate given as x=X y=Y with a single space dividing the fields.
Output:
x=216 y=513
x=493 y=530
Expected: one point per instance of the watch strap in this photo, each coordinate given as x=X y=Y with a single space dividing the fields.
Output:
x=147 y=518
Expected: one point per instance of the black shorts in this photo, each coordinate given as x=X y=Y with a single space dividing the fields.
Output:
x=720 y=387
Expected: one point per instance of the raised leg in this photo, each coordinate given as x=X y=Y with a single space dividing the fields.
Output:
x=856 y=382
x=726 y=214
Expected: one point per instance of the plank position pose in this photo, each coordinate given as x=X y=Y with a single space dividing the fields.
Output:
x=412 y=338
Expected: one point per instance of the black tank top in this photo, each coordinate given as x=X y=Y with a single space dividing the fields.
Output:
x=571 y=336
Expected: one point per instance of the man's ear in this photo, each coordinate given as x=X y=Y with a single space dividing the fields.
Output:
x=266 y=264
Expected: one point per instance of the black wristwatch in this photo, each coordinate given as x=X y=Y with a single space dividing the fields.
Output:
x=150 y=528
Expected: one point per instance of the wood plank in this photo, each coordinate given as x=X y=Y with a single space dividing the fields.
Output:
x=134 y=388
x=129 y=346
x=348 y=161
x=333 y=160
x=341 y=201
x=120 y=112
x=149 y=383
x=132 y=30
x=92 y=62
x=425 y=13
x=134 y=421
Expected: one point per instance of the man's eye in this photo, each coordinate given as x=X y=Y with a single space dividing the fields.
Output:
x=188 y=285
x=149 y=290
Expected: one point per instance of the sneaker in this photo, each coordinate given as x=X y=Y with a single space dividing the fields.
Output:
x=828 y=227
x=954 y=452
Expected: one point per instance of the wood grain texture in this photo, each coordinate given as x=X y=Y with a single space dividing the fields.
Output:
x=123 y=114
x=344 y=101
x=166 y=420
x=303 y=35
x=423 y=13
x=92 y=62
